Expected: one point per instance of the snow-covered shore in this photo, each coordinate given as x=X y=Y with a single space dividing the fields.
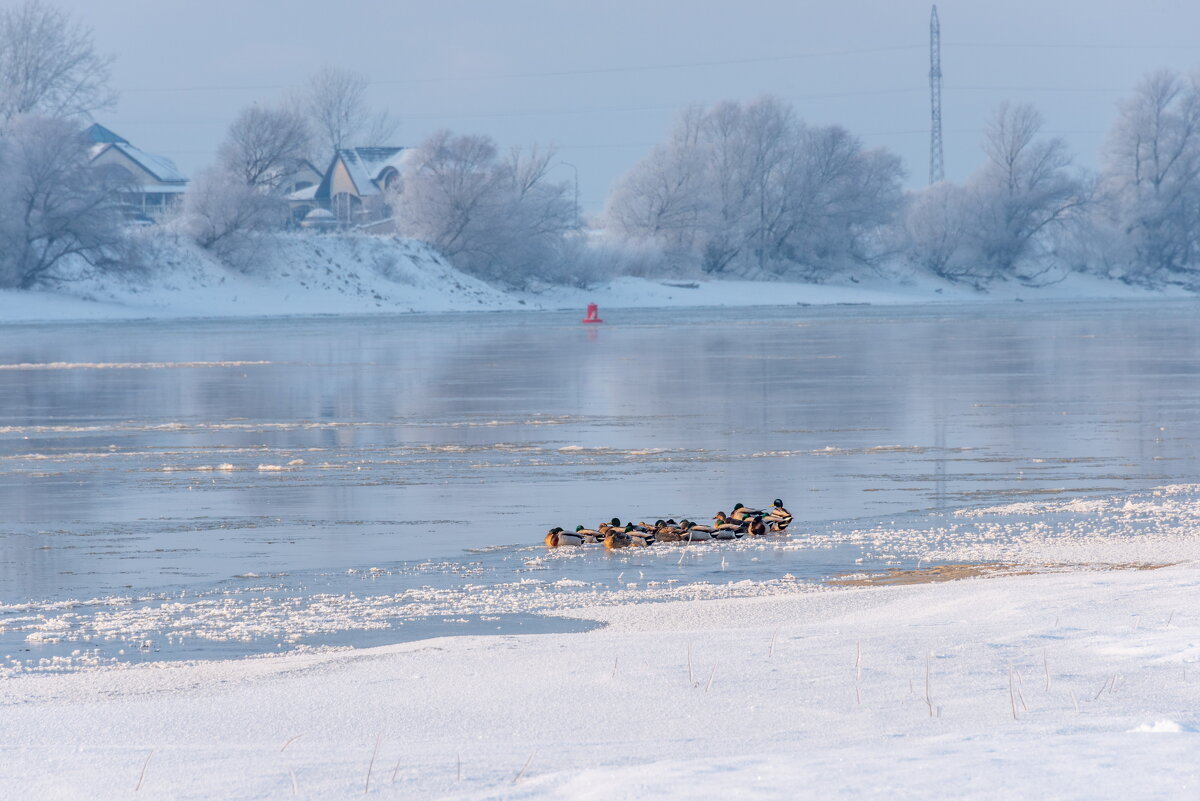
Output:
x=865 y=693
x=308 y=274
x=1069 y=684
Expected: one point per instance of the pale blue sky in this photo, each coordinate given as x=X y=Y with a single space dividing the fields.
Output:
x=602 y=80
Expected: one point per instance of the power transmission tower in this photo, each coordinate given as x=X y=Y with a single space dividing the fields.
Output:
x=936 y=172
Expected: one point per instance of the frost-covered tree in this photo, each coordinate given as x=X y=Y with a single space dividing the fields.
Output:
x=938 y=225
x=54 y=203
x=49 y=65
x=663 y=199
x=265 y=146
x=229 y=206
x=334 y=101
x=500 y=218
x=1023 y=191
x=1152 y=172
x=752 y=190
x=1012 y=214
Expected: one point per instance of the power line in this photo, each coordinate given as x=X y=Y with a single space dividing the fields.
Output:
x=609 y=70
x=1069 y=46
x=1066 y=89
x=575 y=110
x=729 y=62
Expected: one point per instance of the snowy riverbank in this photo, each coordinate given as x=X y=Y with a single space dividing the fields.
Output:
x=305 y=275
x=1078 y=684
x=1101 y=704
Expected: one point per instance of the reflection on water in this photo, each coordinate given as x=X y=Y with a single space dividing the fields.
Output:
x=164 y=457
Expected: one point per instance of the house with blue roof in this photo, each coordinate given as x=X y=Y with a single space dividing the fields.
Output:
x=156 y=184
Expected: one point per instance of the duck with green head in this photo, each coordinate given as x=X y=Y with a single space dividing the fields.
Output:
x=741 y=513
x=777 y=509
x=590 y=536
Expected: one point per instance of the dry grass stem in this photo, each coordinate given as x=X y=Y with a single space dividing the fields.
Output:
x=1012 y=698
x=1074 y=701
x=710 y=678
x=371 y=764
x=771 y=653
x=292 y=775
x=616 y=659
x=928 y=699
x=289 y=742
x=691 y=678
x=1046 y=667
x=1020 y=692
x=524 y=767
x=396 y=770
x=142 y=775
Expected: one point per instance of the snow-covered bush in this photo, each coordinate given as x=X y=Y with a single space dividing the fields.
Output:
x=224 y=214
x=501 y=219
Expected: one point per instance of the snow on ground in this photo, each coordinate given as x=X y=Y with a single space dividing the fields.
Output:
x=290 y=275
x=743 y=698
x=649 y=293
x=1065 y=685
x=301 y=274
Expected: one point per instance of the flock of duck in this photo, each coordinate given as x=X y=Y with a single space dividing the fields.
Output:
x=741 y=522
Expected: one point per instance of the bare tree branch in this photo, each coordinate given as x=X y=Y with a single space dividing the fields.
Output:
x=49 y=65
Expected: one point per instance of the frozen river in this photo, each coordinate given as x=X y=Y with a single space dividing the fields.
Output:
x=342 y=470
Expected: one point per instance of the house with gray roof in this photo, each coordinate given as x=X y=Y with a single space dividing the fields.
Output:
x=156 y=184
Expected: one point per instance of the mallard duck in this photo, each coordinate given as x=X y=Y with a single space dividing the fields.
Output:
x=740 y=512
x=590 y=536
x=756 y=527
x=777 y=509
x=720 y=521
x=778 y=518
x=694 y=533
x=614 y=539
x=556 y=537
x=668 y=532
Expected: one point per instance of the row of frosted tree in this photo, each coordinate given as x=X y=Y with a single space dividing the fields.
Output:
x=745 y=190
x=753 y=191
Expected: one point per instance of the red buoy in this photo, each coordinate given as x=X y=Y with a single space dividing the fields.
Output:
x=593 y=314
